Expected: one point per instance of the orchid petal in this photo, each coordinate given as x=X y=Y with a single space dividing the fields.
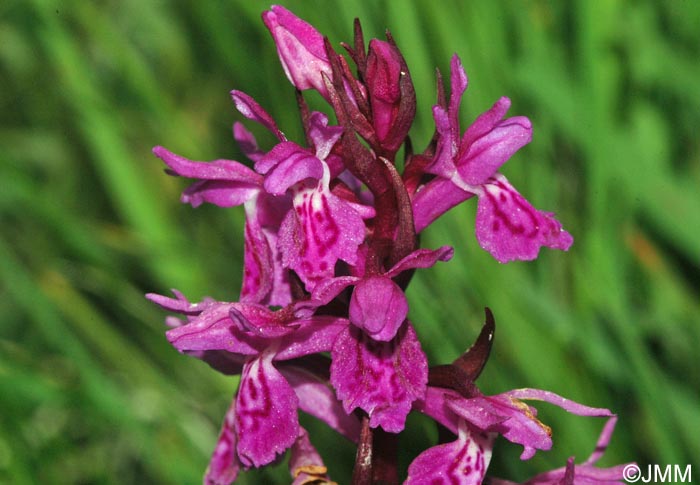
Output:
x=257 y=261
x=247 y=142
x=488 y=153
x=458 y=85
x=266 y=412
x=321 y=230
x=319 y=400
x=446 y=149
x=265 y=280
x=511 y=418
x=381 y=378
x=213 y=329
x=225 y=183
x=327 y=290
x=218 y=192
x=250 y=108
x=324 y=137
x=378 y=306
x=490 y=142
x=434 y=199
x=268 y=328
x=447 y=123
x=566 y=404
x=312 y=335
x=434 y=405
x=179 y=304
x=509 y=227
x=287 y=164
x=516 y=421
x=486 y=121
x=462 y=462
x=228 y=170
x=421 y=258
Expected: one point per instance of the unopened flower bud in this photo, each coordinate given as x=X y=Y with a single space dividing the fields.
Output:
x=391 y=94
x=300 y=48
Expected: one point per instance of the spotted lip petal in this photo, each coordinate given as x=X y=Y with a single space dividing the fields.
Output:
x=507 y=225
x=321 y=229
x=266 y=412
x=462 y=462
x=381 y=378
x=510 y=228
x=248 y=338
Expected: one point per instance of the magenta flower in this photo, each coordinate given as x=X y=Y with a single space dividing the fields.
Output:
x=394 y=370
x=331 y=242
x=507 y=225
x=263 y=421
x=381 y=378
x=287 y=197
x=456 y=403
x=323 y=227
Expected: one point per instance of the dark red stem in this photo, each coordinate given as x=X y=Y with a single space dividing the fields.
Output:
x=376 y=459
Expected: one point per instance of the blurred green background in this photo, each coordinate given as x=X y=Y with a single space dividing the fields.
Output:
x=90 y=390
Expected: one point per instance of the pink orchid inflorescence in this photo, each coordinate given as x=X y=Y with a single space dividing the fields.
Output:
x=331 y=242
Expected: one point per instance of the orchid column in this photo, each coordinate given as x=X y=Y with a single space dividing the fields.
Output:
x=331 y=243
